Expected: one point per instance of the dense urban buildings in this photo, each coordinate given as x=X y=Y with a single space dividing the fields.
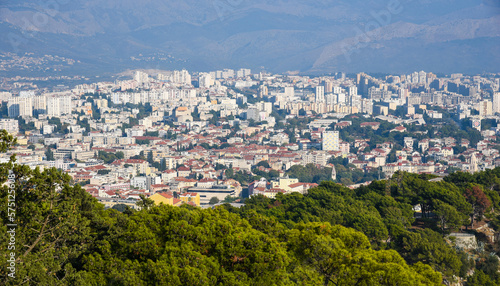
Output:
x=229 y=134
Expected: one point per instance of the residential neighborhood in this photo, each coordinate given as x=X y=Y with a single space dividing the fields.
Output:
x=201 y=138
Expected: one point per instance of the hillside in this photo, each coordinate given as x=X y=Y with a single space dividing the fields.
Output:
x=313 y=37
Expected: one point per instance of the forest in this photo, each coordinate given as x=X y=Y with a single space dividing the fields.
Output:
x=332 y=235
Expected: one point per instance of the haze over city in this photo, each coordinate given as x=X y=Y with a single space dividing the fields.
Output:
x=232 y=142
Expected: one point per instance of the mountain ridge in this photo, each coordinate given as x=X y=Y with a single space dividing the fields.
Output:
x=280 y=35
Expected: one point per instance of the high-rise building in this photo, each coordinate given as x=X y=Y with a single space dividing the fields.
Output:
x=485 y=108
x=330 y=141
x=337 y=89
x=228 y=73
x=65 y=104
x=206 y=80
x=141 y=77
x=367 y=106
x=353 y=90
x=355 y=101
x=422 y=77
x=56 y=106
x=20 y=106
x=331 y=98
x=341 y=98
x=289 y=91
x=266 y=107
x=320 y=93
x=243 y=72
x=40 y=104
x=180 y=77
x=263 y=90
x=328 y=86
x=496 y=102
x=53 y=106
x=255 y=114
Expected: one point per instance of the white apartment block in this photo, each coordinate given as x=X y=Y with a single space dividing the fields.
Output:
x=320 y=93
x=40 y=104
x=57 y=106
x=254 y=114
x=496 y=102
x=330 y=141
x=180 y=77
x=266 y=107
x=205 y=80
x=11 y=125
x=485 y=108
x=141 y=77
x=317 y=158
x=20 y=106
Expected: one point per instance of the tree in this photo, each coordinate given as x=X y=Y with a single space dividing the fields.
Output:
x=109 y=157
x=489 y=265
x=343 y=256
x=119 y=155
x=120 y=207
x=429 y=246
x=163 y=164
x=479 y=202
x=49 y=154
x=264 y=164
x=213 y=201
x=103 y=172
x=229 y=199
x=53 y=222
x=447 y=215
x=144 y=202
x=332 y=235
x=479 y=278
x=219 y=166
x=150 y=157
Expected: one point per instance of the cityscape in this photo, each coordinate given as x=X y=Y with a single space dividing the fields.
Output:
x=227 y=135
x=260 y=142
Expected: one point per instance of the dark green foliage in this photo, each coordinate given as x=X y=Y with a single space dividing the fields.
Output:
x=242 y=177
x=383 y=211
x=332 y=235
x=66 y=238
x=120 y=207
x=23 y=126
x=49 y=154
x=479 y=278
x=151 y=133
x=84 y=124
x=142 y=141
x=489 y=265
x=264 y=164
x=103 y=172
x=272 y=174
x=109 y=157
x=310 y=173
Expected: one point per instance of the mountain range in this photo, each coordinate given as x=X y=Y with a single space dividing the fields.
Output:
x=313 y=37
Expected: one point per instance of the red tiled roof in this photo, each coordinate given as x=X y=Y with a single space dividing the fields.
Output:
x=165 y=195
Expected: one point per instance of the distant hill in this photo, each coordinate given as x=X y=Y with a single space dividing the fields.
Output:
x=314 y=37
